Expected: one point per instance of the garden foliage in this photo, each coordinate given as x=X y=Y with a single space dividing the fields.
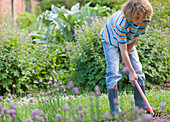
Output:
x=21 y=61
x=86 y=55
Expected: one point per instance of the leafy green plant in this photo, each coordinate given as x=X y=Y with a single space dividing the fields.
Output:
x=59 y=22
x=153 y=52
x=26 y=20
x=21 y=61
x=87 y=56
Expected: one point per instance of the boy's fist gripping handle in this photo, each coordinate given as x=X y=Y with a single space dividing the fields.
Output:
x=144 y=98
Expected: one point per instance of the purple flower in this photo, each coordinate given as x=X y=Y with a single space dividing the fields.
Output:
x=97 y=90
x=45 y=116
x=58 y=116
x=31 y=100
x=12 y=106
x=70 y=85
x=48 y=86
x=12 y=112
x=147 y=117
x=13 y=86
x=37 y=114
x=54 y=72
x=40 y=80
x=49 y=83
x=50 y=79
x=162 y=106
x=28 y=120
x=1 y=107
x=4 y=111
x=28 y=95
x=76 y=90
x=9 y=95
x=22 y=99
x=65 y=108
x=55 y=84
x=106 y=115
x=1 y=98
x=59 y=109
x=55 y=80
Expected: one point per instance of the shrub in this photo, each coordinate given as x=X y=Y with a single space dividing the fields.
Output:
x=87 y=56
x=26 y=20
x=21 y=61
x=153 y=50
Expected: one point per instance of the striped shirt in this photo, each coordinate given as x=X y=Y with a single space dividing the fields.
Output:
x=118 y=30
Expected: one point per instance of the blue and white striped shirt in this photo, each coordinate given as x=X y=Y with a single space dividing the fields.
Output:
x=118 y=30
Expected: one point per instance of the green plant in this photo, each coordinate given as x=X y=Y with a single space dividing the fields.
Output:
x=26 y=19
x=86 y=55
x=21 y=61
x=59 y=22
x=153 y=53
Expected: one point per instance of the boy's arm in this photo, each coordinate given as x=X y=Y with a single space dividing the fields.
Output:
x=130 y=46
x=125 y=56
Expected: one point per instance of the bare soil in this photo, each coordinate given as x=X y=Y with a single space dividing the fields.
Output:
x=165 y=116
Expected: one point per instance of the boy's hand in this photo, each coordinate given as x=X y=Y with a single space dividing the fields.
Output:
x=133 y=77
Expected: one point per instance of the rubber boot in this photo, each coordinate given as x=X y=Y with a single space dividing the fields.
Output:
x=112 y=95
x=139 y=100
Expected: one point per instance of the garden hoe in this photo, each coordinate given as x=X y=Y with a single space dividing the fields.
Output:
x=154 y=114
x=146 y=101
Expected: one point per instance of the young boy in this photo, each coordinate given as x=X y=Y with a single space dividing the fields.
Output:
x=119 y=35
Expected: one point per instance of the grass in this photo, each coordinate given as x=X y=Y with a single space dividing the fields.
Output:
x=81 y=107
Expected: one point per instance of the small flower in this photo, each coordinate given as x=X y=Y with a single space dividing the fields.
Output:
x=97 y=90
x=54 y=72
x=28 y=95
x=59 y=109
x=37 y=114
x=40 y=80
x=45 y=116
x=147 y=117
x=13 y=86
x=48 y=86
x=12 y=112
x=162 y=106
x=55 y=80
x=12 y=106
x=28 y=120
x=70 y=85
x=106 y=115
x=58 y=116
x=55 y=84
x=9 y=95
x=1 y=98
x=1 y=107
x=76 y=90
x=50 y=79
x=65 y=108
x=31 y=100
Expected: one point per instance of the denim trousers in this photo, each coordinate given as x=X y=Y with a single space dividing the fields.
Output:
x=113 y=73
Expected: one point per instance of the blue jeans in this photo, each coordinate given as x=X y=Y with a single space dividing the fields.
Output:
x=112 y=54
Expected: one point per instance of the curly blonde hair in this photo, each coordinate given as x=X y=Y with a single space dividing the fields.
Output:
x=137 y=8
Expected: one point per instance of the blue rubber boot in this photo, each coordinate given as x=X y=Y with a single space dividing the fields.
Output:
x=139 y=100
x=112 y=95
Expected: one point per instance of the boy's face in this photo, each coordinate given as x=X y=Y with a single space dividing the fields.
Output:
x=137 y=20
